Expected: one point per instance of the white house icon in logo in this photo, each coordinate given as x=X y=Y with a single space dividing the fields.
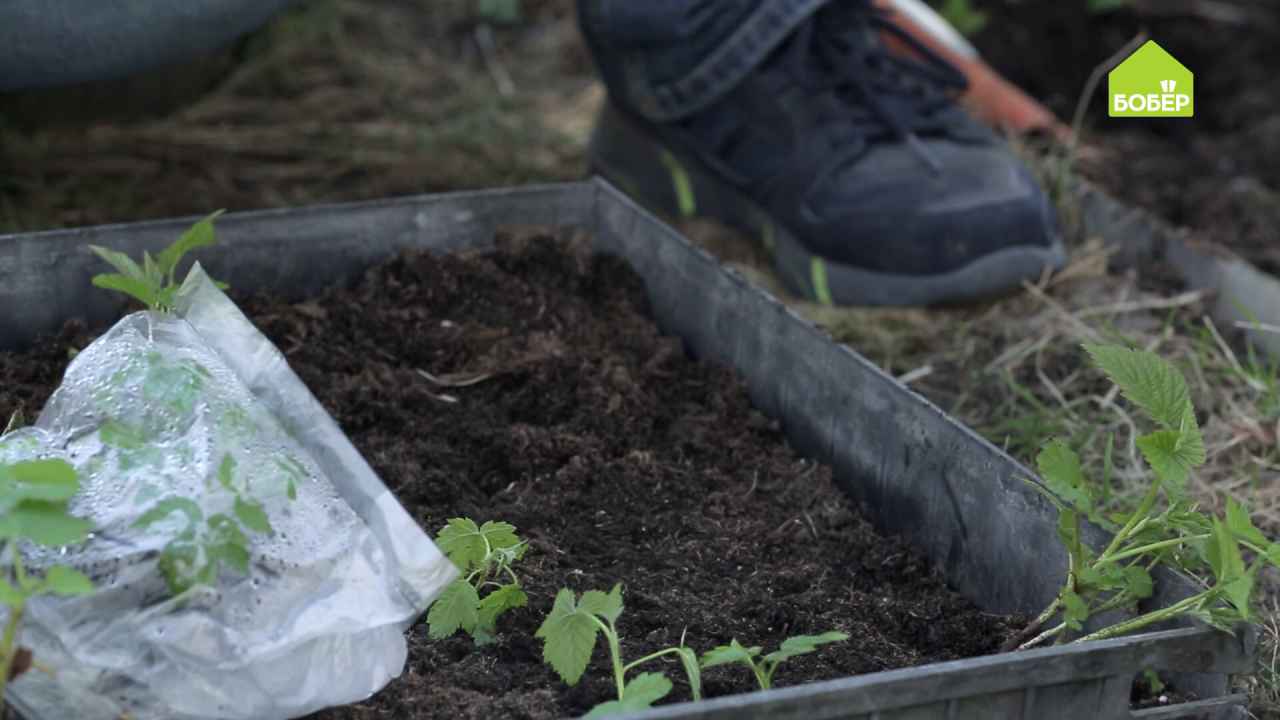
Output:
x=1168 y=86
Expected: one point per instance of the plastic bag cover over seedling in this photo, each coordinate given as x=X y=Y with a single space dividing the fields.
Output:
x=152 y=411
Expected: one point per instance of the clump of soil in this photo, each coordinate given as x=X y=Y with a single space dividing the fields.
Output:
x=1214 y=173
x=616 y=456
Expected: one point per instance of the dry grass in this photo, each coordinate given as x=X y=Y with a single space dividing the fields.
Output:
x=353 y=99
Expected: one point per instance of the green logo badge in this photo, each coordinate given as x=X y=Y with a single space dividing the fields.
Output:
x=1151 y=83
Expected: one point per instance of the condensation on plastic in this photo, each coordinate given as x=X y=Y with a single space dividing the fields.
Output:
x=152 y=409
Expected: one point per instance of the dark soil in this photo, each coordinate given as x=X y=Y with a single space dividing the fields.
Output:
x=1216 y=173
x=616 y=456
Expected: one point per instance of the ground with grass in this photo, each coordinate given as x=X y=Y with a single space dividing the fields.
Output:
x=353 y=99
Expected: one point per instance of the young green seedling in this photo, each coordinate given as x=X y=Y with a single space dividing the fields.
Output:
x=1174 y=532
x=484 y=554
x=764 y=667
x=33 y=507
x=153 y=283
x=196 y=553
x=569 y=638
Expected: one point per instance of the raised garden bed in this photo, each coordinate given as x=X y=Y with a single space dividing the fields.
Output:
x=591 y=432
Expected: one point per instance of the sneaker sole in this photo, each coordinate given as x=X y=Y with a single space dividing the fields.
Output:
x=678 y=184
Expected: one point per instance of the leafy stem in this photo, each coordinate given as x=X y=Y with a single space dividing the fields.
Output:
x=569 y=635
x=481 y=552
x=1206 y=548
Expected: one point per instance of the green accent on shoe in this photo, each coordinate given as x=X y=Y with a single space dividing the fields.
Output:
x=818 y=277
x=681 y=184
x=767 y=234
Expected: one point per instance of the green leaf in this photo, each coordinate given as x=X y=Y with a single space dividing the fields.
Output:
x=46 y=523
x=1240 y=524
x=607 y=606
x=250 y=513
x=121 y=436
x=197 y=236
x=1228 y=566
x=455 y=609
x=168 y=506
x=731 y=653
x=506 y=597
x=569 y=637
x=137 y=289
x=689 y=659
x=67 y=582
x=468 y=545
x=178 y=565
x=1147 y=380
x=51 y=480
x=1138 y=581
x=803 y=644
x=121 y=262
x=1160 y=448
x=1060 y=468
x=226 y=472
x=292 y=490
x=234 y=555
x=1074 y=609
x=640 y=692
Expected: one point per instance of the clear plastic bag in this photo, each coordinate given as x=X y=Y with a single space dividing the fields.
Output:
x=180 y=425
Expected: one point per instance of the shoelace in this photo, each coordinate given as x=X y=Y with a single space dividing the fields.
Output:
x=881 y=90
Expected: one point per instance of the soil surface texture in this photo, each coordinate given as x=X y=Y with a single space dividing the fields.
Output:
x=1215 y=173
x=567 y=413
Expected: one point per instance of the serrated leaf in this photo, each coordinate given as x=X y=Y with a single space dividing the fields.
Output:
x=1074 y=610
x=1060 y=469
x=607 y=606
x=569 y=637
x=734 y=652
x=168 y=506
x=1160 y=449
x=1241 y=525
x=1147 y=380
x=250 y=513
x=49 y=480
x=506 y=597
x=640 y=693
x=67 y=582
x=467 y=545
x=455 y=609
x=803 y=644
x=45 y=523
x=1138 y=582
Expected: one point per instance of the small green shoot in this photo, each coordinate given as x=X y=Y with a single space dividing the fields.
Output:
x=963 y=16
x=194 y=555
x=764 y=667
x=153 y=283
x=569 y=636
x=1165 y=528
x=484 y=554
x=33 y=507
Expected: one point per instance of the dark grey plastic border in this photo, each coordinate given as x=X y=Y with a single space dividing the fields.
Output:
x=917 y=471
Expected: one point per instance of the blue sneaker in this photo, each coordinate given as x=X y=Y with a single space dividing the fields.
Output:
x=791 y=120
